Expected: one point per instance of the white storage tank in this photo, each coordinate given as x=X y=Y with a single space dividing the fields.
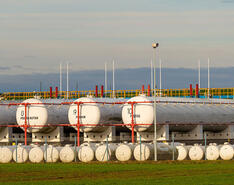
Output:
x=51 y=154
x=226 y=151
x=92 y=112
x=143 y=152
x=68 y=153
x=86 y=152
x=6 y=154
x=124 y=152
x=21 y=153
x=105 y=153
x=182 y=152
x=36 y=154
x=196 y=152
x=212 y=152
x=42 y=115
x=177 y=112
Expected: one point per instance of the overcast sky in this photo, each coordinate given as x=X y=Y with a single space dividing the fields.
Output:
x=35 y=36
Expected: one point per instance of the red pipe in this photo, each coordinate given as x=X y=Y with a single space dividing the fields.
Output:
x=148 y=90
x=143 y=89
x=96 y=91
x=197 y=90
x=50 y=92
x=56 y=92
x=102 y=90
x=191 y=90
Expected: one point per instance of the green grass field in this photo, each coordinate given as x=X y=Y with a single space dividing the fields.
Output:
x=167 y=172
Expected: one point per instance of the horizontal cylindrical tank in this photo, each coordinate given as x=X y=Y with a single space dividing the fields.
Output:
x=51 y=154
x=143 y=152
x=6 y=154
x=182 y=114
x=36 y=154
x=68 y=153
x=124 y=152
x=41 y=115
x=86 y=152
x=196 y=152
x=21 y=153
x=105 y=153
x=94 y=111
x=226 y=151
x=182 y=152
x=212 y=152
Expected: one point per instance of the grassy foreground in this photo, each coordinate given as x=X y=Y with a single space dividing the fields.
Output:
x=167 y=172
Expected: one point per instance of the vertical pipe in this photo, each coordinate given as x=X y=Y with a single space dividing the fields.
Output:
x=16 y=143
x=105 y=78
x=143 y=89
x=51 y=91
x=155 y=109
x=25 y=125
x=160 y=76
x=61 y=81
x=173 y=146
x=102 y=91
x=67 y=79
x=56 y=92
x=148 y=90
x=96 y=91
x=197 y=90
x=151 y=70
x=113 y=78
x=205 y=144
x=208 y=78
x=132 y=104
x=191 y=90
x=78 y=124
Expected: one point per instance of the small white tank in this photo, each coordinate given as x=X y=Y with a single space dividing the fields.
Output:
x=36 y=154
x=102 y=154
x=22 y=154
x=6 y=154
x=182 y=152
x=86 y=152
x=51 y=154
x=124 y=152
x=196 y=152
x=212 y=152
x=67 y=154
x=226 y=151
x=143 y=152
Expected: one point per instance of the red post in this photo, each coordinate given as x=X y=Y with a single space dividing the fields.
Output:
x=96 y=91
x=78 y=124
x=51 y=92
x=102 y=91
x=197 y=90
x=191 y=90
x=25 y=125
x=143 y=89
x=56 y=92
x=132 y=104
x=148 y=90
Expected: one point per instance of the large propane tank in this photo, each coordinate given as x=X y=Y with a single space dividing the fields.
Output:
x=105 y=153
x=124 y=151
x=226 y=151
x=182 y=152
x=7 y=113
x=68 y=153
x=143 y=152
x=36 y=154
x=95 y=111
x=212 y=151
x=51 y=154
x=21 y=153
x=86 y=152
x=178 y=111
x=196 y=152
x=43 y=114
x=6 y=154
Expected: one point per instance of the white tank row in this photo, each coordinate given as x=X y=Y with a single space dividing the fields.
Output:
x=104 y=152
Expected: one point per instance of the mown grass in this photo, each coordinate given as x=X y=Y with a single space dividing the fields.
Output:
x=167 y=172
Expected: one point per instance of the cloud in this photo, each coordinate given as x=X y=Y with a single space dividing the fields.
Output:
x=227 y=1
x=2 y=68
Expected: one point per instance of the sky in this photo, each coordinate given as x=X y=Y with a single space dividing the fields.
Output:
x=36 y=36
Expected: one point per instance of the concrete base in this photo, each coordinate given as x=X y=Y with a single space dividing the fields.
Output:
x=100 y=136
x=125 y=136
x=5 y=135
x=53 y=137
x=18 y=137
x=228 y=133
x=162 y=134
x=195 y=134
